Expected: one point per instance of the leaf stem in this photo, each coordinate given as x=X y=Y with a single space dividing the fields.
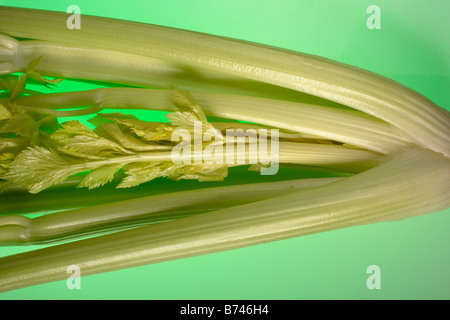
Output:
x=19 y=230
x=347 y=126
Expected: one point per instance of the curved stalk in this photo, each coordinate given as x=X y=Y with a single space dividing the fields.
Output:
x=90 y=63
x=347 y=126
x=19 y=230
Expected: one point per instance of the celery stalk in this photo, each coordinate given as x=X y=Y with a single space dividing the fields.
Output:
x=18 y=230
x=348 y=126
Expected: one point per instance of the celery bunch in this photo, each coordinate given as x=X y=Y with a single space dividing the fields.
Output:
x=385 y=147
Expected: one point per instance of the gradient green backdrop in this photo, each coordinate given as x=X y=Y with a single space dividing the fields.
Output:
x=411 y=47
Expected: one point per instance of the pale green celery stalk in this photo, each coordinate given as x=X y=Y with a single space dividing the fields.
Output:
x=39 y=168
x=347 y=126
x=221 y=126
x=331 y=156
x=417 y=117
x=413 y=182
x=287 y=135
x=20 y=230
x=80 y=62
x=66 y=196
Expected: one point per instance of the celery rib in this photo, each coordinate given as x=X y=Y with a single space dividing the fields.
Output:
x=347 y=126
x=19 y=230
x=89 y=63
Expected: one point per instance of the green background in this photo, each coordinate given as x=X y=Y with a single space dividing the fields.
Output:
x=411 y=47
